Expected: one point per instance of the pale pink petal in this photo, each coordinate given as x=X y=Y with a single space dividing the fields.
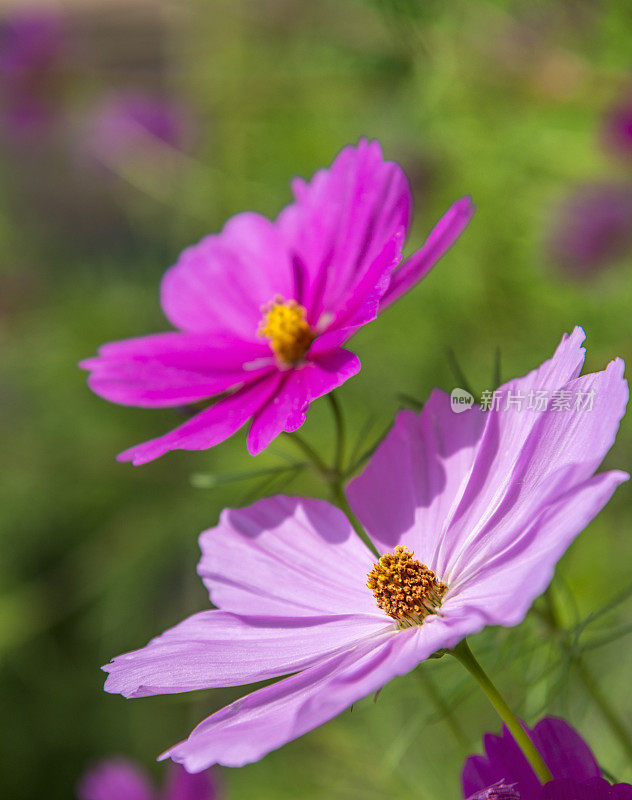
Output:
x=503 y=578
x=251 y=727
x=339 y=223
x=209 y=427
x=444 y=474
x=298 y=387
x=269 y=718
x=417 y=477
x=443 y=236
x=169 y=369
x=220 y=285
x=526 y=461
x=287 y=556
x=215 y=648
x=115 y=779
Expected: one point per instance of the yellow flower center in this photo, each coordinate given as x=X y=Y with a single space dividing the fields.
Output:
x=287 y=330
x=405 y=588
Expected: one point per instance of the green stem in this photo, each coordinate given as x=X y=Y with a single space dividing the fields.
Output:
x=333 y=479
x=336 y=408
x=342 y=503
x=311 y=454
x=463 y=654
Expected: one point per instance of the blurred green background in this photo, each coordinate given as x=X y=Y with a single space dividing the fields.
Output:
x=501 y=100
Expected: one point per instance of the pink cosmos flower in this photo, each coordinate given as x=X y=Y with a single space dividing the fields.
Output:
x=471 y=512
x=576 y=773
x=263 y=308
x=120 y=779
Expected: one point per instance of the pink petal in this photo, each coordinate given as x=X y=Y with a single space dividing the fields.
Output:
x=171 y=368
x=443 y=236
x=214 y=648
x=209 y=427
x=269 y=718
x=417 y=476
x=528 y=460
x=363 y=304
x=504 y=578
x=115 y=779
x=339 y=223
x=287 y=556
x=443 y=474
x=298 y=388
x=220 y=285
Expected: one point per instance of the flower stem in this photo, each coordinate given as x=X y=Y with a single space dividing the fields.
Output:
x=336 y=408
x=334 y=481
x=463 y=654
x=311 y=454
x=342 y=503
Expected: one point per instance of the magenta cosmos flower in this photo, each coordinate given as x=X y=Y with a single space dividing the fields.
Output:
x=576 y=773
x=263 y=308
x=120 y=779
x=471 y=512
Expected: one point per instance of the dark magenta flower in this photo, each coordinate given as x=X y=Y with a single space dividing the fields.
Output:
x=134 y=125
x=576 y=773
x=263 y=308
x=31 y=43
x=474 y=508
x=592 y=228
x=120 y=779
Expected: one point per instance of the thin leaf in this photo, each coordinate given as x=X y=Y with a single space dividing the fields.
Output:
x=210 y=480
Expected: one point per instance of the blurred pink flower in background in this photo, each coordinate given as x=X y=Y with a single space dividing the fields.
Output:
x=617 y=128
x=31 y=47
x=135 y=124
x=591 y=228
x=121 y=779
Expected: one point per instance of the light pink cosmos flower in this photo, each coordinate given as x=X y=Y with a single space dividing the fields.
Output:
x=487 y=502
x=263 y=308
x=121 y=779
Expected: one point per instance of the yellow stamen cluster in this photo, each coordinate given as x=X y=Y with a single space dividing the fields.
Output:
x=405 y=588
x=287 y=330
